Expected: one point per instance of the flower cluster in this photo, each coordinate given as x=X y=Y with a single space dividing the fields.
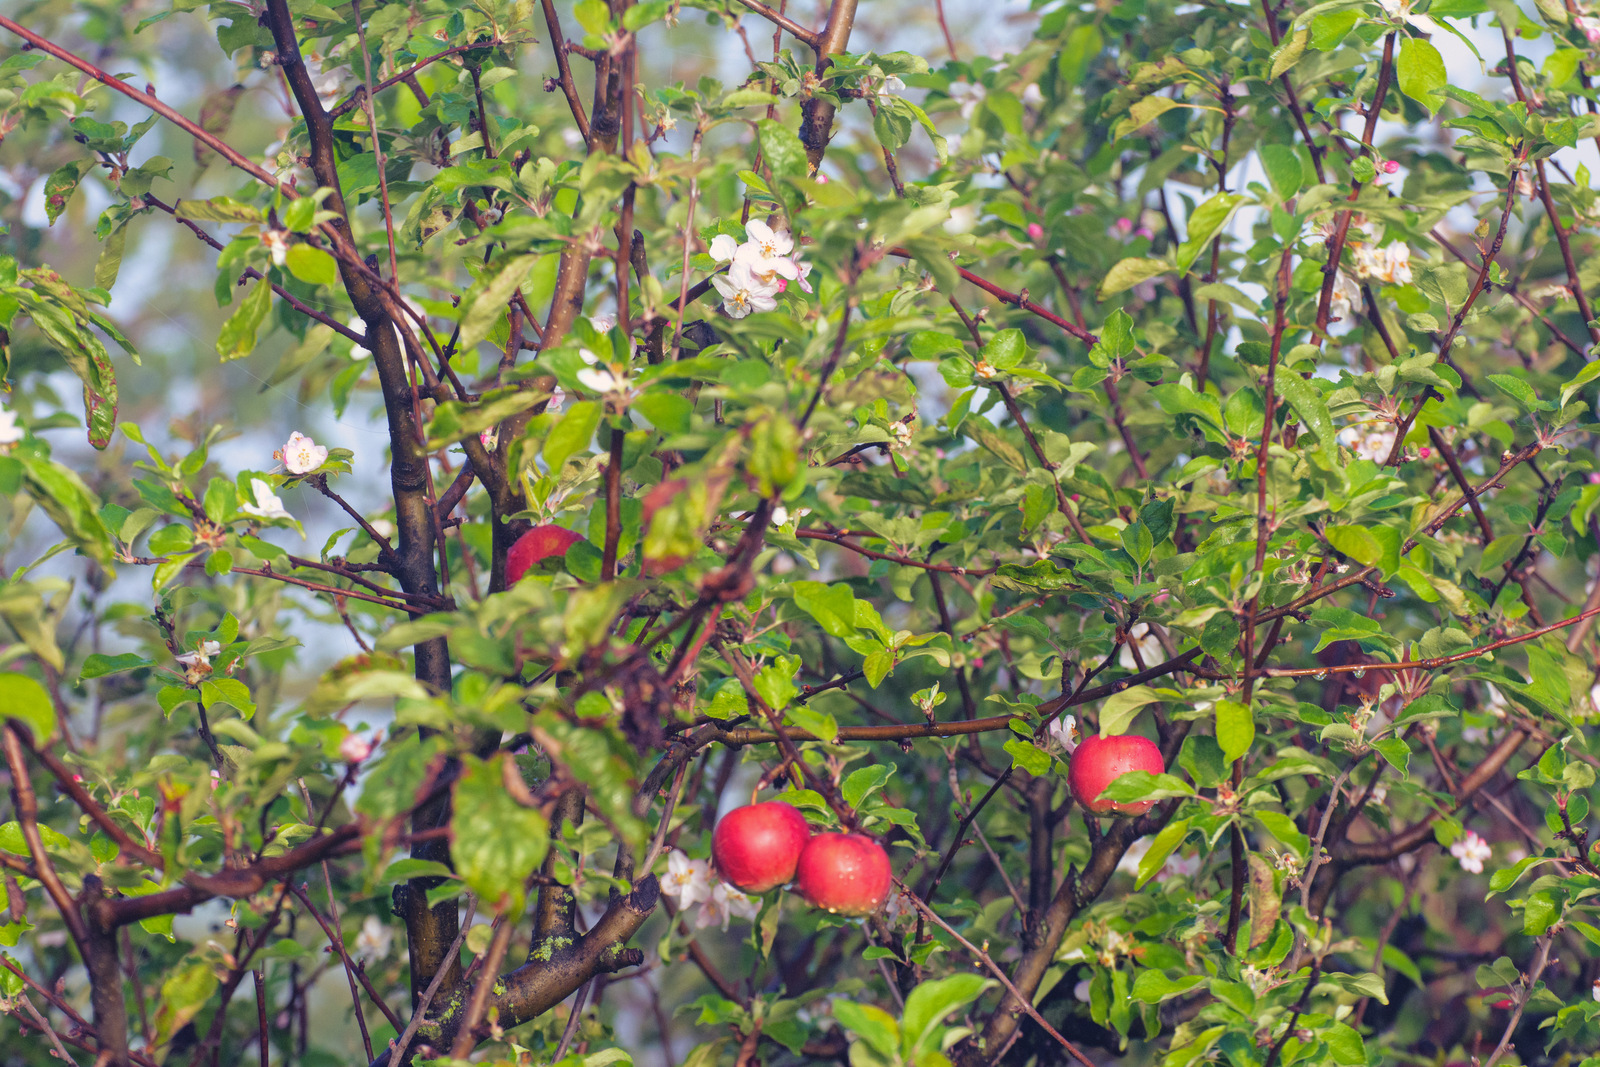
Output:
x=1390 y=264
x=1368 y=441
x=690 y=882
x=1471 y=851
x=758 y=270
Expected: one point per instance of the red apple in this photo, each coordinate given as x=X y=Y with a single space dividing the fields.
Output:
x=756 y=847
x=539 y=543
x=844 y=873
x=1099 y=761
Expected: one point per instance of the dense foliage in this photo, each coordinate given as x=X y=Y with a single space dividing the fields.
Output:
x=1214 y=373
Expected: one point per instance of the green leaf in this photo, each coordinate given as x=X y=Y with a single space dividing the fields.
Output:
x=641 y=15
x=71 y=505
x=863 y=783
x=1289 y=51
x=1083 y=43
x=1204 y=224
x=1309 y=404
x=237 y=338
x=1152 y=987
x=491 y=302
x=1420 y=74
x=1120 y=709
x=1027 y=755
x=25 y=700
x=1142 y=785
x=1170 y=837
x=1130 y=272
x=1396 y=752
x=312 y=265
x=874 y=1026
x=572 y=434
x=495 y=842
x=1236 y=729
x=927 y=1007
x=98 y=664
x=1143 y=113
x=228 y=691
x=1284 y=829
x=1283 y=167
x=783 y=151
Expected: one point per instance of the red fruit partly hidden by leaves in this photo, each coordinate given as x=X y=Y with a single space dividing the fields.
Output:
x=1099 y=761
x=844 y=873
x=757 y=847
x=539 y=543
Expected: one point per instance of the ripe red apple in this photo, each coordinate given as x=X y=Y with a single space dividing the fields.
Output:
x=541 y=542
x=757 y=847
x=1099 y=761
x=844 y=873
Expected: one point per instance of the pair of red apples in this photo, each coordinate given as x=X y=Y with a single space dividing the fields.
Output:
x=762 y=846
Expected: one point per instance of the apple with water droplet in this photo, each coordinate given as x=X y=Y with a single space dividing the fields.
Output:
x=844 y=873
x=1099 y=761
x=757 y=847
x=539 y=543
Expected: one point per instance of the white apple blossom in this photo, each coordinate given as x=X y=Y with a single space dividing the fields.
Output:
x=603 y=323
x=1471 y=851
x=201 y=657
x=895 y=908
x=267 y=505
x=968 y=95
x=1032 y=95
x=1368 y=441
x=743 y=292
x=1390 y=264
x=890 y=85
x=1594 y=698
x=1400 y=11
x=10 y=432
x=1346 y=298
x=1589 y=26
x=1175 y=866
x=1080 y=992
x=277 y=242
x=724 y=247
x=726 y=903
x=768 y=253
x=1063 y=734
x=374 y=940
x=1149 y=647
x=687 y=881
x=355 y=748
x=604 y=381
x=302 y=455
x=962 y=219
x=1594 y=990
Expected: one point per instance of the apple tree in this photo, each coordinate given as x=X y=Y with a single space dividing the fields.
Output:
x=514 y=435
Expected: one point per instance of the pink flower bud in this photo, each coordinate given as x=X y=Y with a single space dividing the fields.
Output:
x=1390 y=166
x=1124 y=226
x=783 y=283
x=1594 y=479
x=355 y=748
x=1425 y=451
x=1035 y=231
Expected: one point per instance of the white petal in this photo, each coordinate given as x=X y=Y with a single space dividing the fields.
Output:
x=723 y=247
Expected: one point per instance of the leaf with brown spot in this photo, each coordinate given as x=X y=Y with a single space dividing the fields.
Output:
x=1265 y=904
